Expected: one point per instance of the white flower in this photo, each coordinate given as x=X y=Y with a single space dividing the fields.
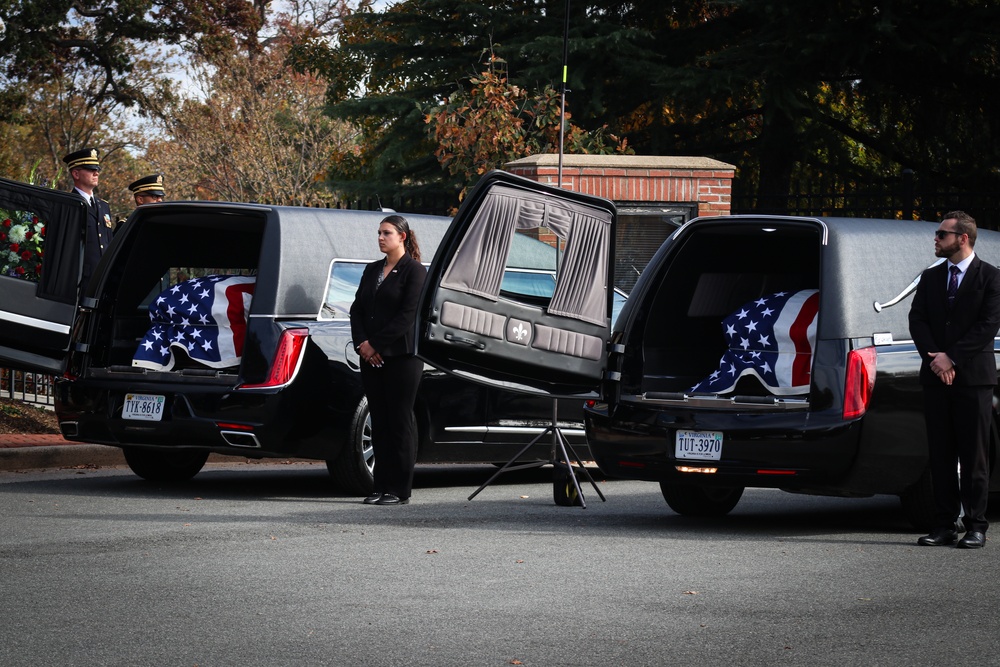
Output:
x=16 y=233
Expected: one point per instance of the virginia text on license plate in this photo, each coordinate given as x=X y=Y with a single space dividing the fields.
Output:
x=145 y=407
x=701 y=445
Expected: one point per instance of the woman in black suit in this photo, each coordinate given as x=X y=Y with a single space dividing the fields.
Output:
x=382 y=324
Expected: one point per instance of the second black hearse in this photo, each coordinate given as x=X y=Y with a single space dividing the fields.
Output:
x=754 y=351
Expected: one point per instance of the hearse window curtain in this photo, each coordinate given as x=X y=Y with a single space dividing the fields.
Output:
x=479 y=264
x=581 y=292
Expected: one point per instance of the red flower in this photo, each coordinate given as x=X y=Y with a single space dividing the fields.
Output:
x=15 y=247
x=34 y=219
x=38 y=268
x=28 y=235
x=19 y=271
x=26 y=255
x=3 y=237
x=42 y=232
x=7 y=223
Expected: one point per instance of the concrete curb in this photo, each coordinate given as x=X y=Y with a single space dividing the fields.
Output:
x=32 y=452
x=59 y=456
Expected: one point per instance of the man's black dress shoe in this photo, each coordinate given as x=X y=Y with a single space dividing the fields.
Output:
x=972 y=540
x=373 y=499
x=938 y=538
x=390 y=499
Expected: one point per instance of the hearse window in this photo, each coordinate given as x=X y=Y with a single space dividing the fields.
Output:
x=345 y=276
x=481 y=261
x=344 y=280
x=532 y=284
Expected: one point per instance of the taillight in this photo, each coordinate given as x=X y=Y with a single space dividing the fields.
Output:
x=860 y=381
x=286 y=359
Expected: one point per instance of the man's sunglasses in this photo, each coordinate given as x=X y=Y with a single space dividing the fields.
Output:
x=941 y=233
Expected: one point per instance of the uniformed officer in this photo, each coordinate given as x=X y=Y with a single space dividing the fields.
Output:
x=85 y=169
x=148 y=189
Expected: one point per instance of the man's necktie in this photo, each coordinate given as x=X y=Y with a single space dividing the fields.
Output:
x=92 y=204
x=953 y=284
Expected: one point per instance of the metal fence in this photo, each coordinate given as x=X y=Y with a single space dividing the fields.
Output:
x=28 y=387
x=898 y=198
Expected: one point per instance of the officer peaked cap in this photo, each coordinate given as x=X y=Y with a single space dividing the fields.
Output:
x=83 y=159
x=148 y=185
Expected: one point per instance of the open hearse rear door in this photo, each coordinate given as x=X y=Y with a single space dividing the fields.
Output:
x=477 y=325
x=40 y=260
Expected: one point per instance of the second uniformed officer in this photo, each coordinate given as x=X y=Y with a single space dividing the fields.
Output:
x=84 y=169
x=148 y=189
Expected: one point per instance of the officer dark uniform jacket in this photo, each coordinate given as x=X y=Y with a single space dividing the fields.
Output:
x=97 y=236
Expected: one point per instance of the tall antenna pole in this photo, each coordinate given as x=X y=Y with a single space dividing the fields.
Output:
x=562 y=110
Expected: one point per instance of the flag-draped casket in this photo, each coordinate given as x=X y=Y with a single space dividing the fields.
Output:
x=771 y=338
x=203 y=320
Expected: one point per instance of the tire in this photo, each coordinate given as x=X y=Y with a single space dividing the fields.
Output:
x=171 y=467
x=352 y=471
x=563 y=491
x=701 y=501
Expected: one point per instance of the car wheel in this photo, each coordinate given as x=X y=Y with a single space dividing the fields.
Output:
x=157 y=465
x=563 y=491
x=703 y=501
x=352 y=470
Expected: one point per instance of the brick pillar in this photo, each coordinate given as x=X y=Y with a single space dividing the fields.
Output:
x=637 y=179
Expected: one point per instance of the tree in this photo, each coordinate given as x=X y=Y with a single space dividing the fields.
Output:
x=497 y=122
x=42 y=38
x=389 y=69
x=257 y=132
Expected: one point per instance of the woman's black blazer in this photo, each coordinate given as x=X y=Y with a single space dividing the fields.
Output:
x=385 y=317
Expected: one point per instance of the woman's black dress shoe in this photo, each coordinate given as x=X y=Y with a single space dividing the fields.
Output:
x=390 y=499
x=373 y=499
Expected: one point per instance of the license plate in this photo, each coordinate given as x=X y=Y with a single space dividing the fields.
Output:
x=143 y=407
x=701 y=445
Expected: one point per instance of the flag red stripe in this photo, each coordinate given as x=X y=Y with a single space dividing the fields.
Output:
x=235 y=314
x=799 y=333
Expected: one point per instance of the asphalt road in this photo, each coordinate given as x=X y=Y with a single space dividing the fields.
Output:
x=260 y=565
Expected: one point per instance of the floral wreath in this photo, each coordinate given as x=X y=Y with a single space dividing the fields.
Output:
x=21 y=237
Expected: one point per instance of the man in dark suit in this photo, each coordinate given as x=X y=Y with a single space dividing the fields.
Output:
x=85 y=169
x=953 y=320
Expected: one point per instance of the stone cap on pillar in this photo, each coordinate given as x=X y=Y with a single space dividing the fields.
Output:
x=621 y=162
x=637 y=178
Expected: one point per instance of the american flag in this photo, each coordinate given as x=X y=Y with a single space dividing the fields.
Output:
x=771 y=339
x=204 y=319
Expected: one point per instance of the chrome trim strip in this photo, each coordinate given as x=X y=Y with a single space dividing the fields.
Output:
x=905 y=293
x=512 y=430
x=242 y=434
x=680 y=399
x=34 y=322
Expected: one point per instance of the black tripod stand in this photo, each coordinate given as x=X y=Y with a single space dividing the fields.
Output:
x=560 y=446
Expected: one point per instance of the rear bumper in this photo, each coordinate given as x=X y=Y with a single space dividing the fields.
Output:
x=792 y=450
x=252 y=424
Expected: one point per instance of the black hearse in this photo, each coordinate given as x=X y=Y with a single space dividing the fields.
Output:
x=289 y=385
x=688 y=389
